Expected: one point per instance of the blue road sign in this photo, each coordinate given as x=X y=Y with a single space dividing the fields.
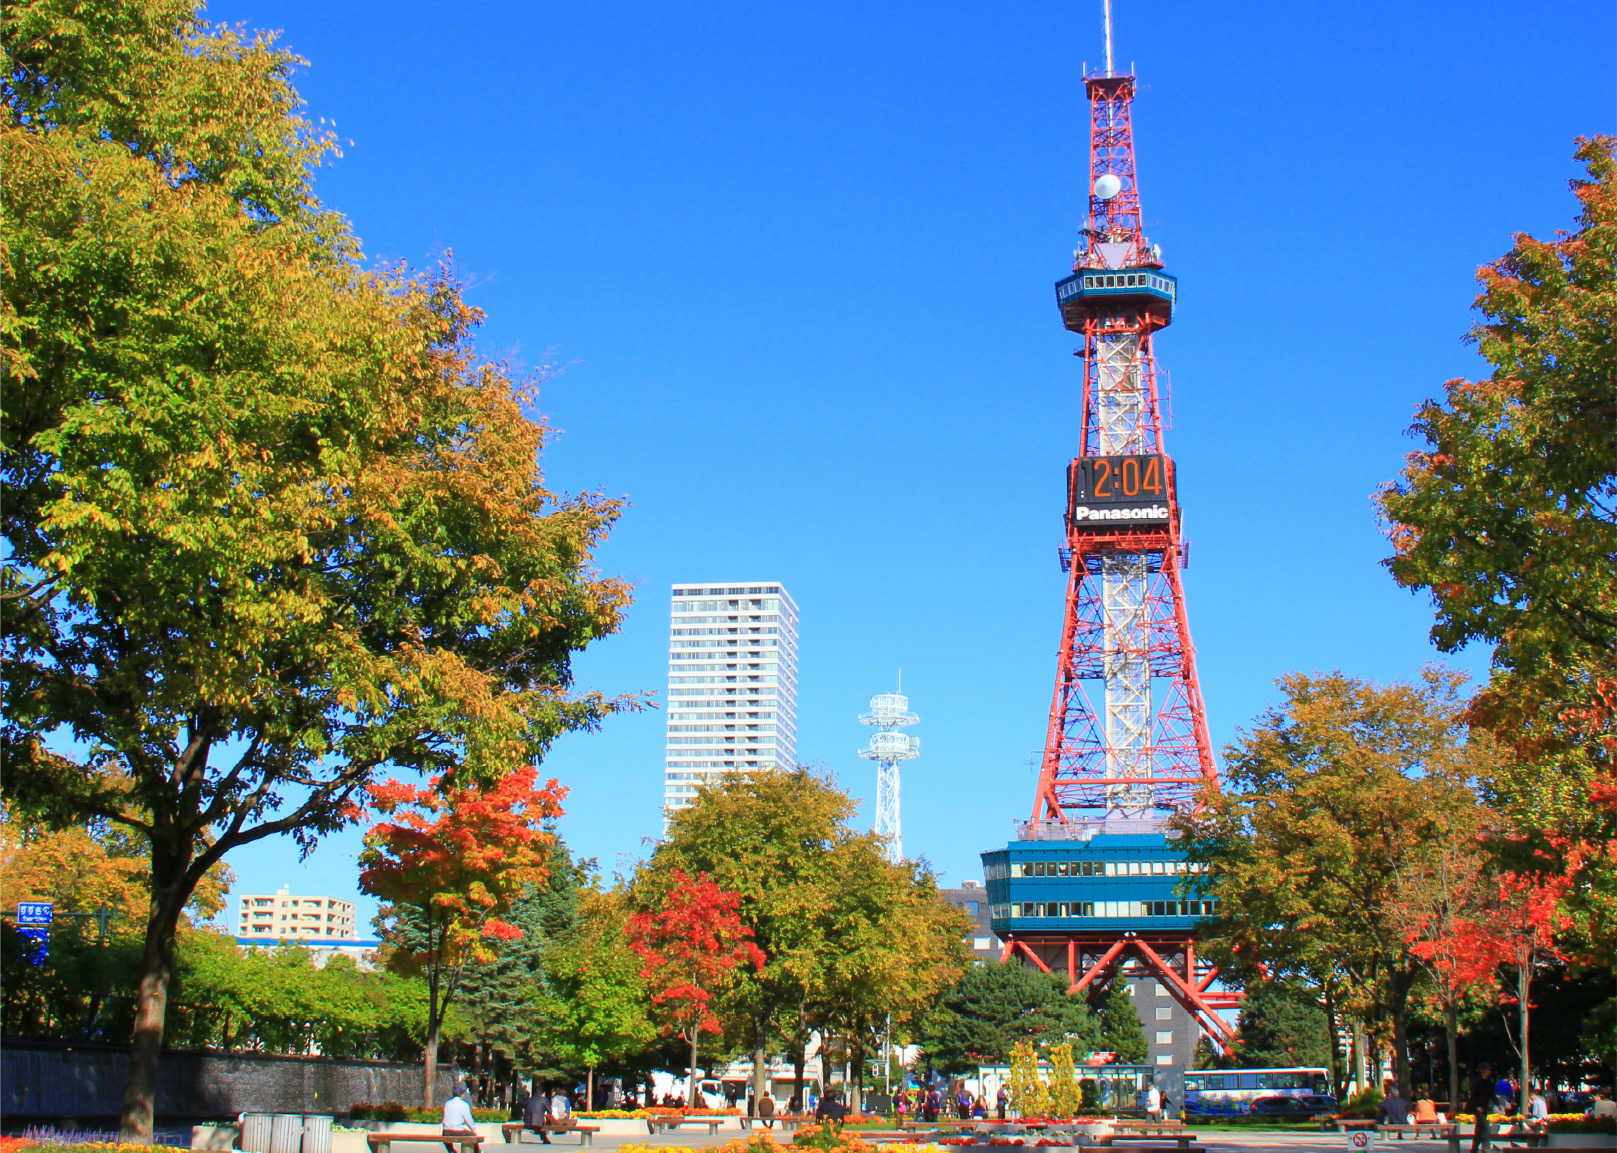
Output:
x=35 y=912
x=34 y=924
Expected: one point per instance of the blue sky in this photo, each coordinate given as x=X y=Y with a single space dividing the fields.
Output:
x=798 y=259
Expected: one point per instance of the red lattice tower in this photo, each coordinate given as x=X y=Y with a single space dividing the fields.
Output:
x=1127 y=731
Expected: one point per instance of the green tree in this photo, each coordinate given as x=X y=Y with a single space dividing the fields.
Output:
x=1282 y=1024
x=846 y=935
x=593 y=1008
x=1508 y=518
x=1066 y=1098
x=1334 y=797
x=497 y=997
x=995 y=1006
x=269 y=523
x=1120 y=1029
x=1029 y=1093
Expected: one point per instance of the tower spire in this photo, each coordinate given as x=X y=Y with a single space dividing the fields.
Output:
x=1107 y=5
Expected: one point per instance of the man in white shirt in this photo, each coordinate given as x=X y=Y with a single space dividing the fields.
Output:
x=458 y=1120
x=1153 y=1103
x=1538 y=1113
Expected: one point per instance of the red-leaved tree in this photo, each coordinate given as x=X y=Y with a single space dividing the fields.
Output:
x=1447 y=894
x=450 y=864
x=690 y=944
x=1518 y=932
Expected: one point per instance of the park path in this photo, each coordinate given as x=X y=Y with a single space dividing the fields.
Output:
x=1213 y=1142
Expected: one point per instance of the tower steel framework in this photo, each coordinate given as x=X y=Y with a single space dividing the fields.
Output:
x=1115 y=772
x=890 y=712
x=1147 y=749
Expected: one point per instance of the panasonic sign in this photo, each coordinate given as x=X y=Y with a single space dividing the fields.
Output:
x=1149 y=512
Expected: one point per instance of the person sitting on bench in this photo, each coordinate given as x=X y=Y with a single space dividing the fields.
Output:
x=1395 y=1108
x=458 y=1116
x=537 y=1115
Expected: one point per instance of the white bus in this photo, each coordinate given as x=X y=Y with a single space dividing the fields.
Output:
x=1222 y=1092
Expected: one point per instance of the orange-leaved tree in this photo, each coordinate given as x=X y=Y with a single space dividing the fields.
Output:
x=450 y=863
x=690 y=943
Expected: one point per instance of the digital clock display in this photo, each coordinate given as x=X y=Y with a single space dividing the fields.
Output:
x=1120 y=491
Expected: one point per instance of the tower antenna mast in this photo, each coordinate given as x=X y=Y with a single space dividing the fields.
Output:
x=1107 y=5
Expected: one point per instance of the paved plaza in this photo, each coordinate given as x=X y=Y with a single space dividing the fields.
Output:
x=1214 y=1141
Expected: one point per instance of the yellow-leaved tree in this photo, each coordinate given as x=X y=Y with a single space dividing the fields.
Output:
x=271 y=526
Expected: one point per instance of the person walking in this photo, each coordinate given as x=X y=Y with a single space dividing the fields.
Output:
x=1478 y=1101
x=1002 y=1100
x=934 y=1105
x=458 y=1120
x=1153 y=1103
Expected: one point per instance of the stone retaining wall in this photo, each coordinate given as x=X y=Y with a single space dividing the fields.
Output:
x=43 y=1082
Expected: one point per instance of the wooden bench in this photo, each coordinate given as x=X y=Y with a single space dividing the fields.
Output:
x=786 y=1121
x=466 y=1141
x=1438 y=1129
x=1129 y=1132
x=513 y=1130
x=662 y=1124
x=1138 y=1141
x=1163 y=1126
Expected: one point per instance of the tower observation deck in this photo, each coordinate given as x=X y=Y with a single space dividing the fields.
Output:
x=1094 y=884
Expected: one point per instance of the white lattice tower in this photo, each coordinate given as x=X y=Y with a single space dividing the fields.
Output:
x=889 y=712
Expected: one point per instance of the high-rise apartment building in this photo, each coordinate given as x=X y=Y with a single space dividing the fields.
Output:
x=283 y=917
x=732 y=684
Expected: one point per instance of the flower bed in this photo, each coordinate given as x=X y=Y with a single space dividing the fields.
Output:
x=1581 y=1123
x=1036 y=1142
x=614 y=1114
x=47 y=1139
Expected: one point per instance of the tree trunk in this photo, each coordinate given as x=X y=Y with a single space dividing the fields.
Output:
x=434 y=1020
x=1451 y=1026
x=1338 y=1084
x=151 y=999
x=1358 y=1055
x=760 y=1077
x=799 y=1063
x=1400 y=1045
x=858 y=1056
x=690 y=1095
x=589 y=1088
x=1524 y=986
